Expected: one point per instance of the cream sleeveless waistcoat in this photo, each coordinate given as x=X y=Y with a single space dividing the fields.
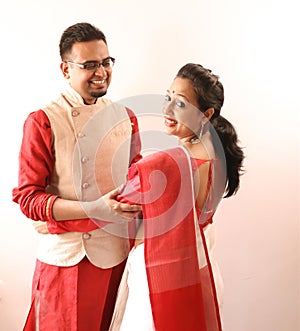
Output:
x=91 y=145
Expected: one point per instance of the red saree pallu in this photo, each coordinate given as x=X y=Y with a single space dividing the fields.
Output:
x=181 y=285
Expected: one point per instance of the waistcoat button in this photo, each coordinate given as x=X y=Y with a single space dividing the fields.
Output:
x=86 y=235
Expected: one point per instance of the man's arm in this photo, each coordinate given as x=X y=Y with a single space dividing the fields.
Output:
x=35 y=170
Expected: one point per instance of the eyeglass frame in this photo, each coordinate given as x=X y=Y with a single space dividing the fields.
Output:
x=98 y=64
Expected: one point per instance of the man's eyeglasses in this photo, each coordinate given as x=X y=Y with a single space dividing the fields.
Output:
x=94 y=65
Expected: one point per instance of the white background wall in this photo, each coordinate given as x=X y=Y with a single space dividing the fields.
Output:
x=252 y=45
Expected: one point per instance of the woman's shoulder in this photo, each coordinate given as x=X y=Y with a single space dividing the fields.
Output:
x=162 y=154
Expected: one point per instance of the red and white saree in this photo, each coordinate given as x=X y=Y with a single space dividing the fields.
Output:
x=179 y=273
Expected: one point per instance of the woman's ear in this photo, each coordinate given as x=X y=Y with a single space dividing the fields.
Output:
x=64 y=67
x=209 y=113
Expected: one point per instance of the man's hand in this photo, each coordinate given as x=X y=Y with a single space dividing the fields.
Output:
x=123 y=209
x=40 y=227
x=108 y=209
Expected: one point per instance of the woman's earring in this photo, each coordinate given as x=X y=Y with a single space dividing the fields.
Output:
x=197 y=138
x=200 y=132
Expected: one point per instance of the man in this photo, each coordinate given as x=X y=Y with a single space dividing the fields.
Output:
x=79 y=264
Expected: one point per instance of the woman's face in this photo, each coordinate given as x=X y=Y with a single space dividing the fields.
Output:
x=181 y=113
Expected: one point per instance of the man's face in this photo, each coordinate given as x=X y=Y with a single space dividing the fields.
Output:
x=90 y=84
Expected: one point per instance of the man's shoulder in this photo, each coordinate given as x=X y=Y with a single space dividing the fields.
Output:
x=39 y=117
x=57 y=104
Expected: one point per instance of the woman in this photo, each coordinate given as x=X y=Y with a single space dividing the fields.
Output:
x=171 y=281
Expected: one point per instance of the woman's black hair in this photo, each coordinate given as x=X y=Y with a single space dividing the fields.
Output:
x=210 y=94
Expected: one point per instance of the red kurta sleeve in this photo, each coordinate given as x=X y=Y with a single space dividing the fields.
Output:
x=35 y=168
x=36 y=163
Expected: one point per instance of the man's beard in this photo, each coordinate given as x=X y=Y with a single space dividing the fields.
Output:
x=98 y=94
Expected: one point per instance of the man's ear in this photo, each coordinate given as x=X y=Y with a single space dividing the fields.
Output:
x=64 y=67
